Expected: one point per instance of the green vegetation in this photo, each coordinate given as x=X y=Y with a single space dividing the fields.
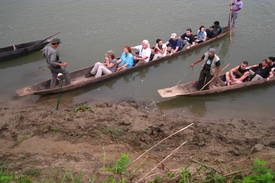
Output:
x=55 y=129
x=82 y=108
x=6 y=175
x=115 y=133
x=258 y=174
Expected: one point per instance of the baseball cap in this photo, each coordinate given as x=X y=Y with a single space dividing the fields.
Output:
x=56 y=41
x=173 y=35
x=211 y=51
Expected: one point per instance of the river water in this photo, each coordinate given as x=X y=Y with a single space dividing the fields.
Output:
x=91 y=27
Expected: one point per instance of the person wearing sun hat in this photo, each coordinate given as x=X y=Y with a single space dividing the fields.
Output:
x=54 y=64
x=107 y=67
x=174 y=44
x=211 y=67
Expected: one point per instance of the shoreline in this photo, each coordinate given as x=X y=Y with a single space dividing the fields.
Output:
x=44 y=138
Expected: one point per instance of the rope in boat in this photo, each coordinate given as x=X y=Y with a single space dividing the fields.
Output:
x=60 y=90
x=184 y=76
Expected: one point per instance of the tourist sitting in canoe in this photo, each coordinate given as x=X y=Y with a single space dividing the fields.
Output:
x=263 y=71
x=144 y=53
x=188 y=39
x=215 y=30
x=238 y=74
x=271 y=63
x=126 y=60
x=160 y=49
x=211 y=67
x=174 y=44
x=107 y=67
x=201 y=35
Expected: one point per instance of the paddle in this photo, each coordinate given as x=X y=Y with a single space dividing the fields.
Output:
x=212 y=78
x=60 y=90
x=47 y=38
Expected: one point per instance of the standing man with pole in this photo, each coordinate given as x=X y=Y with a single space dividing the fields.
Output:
x=237 y=5
x=211 y=67
x=54 y=64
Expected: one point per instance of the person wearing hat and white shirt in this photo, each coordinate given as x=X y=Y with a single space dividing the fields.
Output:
x=175 y=44
x=107 y=67
x=211 y=67
x=54 y=64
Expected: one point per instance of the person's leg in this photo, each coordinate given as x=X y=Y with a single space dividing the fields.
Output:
x=67 y=77
x=208 y=78
x=141 y=62
x=156 y=56
x=54 y=71
x=234 y=18
x=209 y=33
x=187 y=44
x=256 y=77
x=201 y=80
x=169 y=48
x=102 y=70
x=227 y=77
x=94 y=70
x=229 y=18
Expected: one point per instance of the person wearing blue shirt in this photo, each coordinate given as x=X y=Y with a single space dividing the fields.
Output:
x=126 y=60
x=175 y=44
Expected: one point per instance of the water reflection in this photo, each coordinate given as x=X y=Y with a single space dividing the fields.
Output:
x=196 y=106
x=37 y=56
x=141 y=74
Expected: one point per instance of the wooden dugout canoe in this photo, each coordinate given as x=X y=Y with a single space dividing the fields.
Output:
x=23 y=49
x=216 y=86
x=78 y=79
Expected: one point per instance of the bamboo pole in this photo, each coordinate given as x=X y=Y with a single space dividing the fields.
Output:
x=230 y=19
x=163 y=140
x=212 y=78
x=162 y=161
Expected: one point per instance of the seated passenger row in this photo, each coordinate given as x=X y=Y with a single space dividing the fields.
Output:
x=174 y=44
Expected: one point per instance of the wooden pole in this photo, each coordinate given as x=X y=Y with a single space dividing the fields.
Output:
x=163 y=140
x=60 y=89
x=162 y=161
x=230 y=19
x=212 y=78
x=47 y=38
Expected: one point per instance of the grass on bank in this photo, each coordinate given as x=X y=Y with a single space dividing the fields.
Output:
x=257 y=173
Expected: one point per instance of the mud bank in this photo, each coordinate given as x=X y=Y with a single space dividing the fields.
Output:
x=52 y=141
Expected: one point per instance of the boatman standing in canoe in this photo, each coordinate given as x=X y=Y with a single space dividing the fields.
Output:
x=211 y=67
x=54 y=64
x=236 y=7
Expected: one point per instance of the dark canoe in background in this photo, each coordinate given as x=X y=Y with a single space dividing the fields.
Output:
x=78 y=77
x=216 y=86
x=19 y=50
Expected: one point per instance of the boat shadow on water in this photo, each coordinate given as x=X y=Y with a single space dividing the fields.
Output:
x=37 y=56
